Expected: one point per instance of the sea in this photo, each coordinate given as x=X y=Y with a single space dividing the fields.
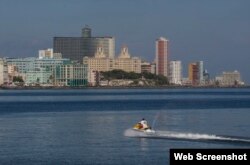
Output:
x=93 y=126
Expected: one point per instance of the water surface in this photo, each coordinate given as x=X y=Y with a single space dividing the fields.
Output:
x=87 y=126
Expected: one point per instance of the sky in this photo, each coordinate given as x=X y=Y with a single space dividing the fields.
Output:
x=214 y=31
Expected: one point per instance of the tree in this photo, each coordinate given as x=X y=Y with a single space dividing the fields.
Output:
x=18 y=79
x=120 y=74
x=162 y=80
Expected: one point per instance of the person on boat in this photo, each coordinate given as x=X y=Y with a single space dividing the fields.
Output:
x=144 y=124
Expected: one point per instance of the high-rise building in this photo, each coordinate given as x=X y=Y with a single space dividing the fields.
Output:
x=195 y=73
x=3 y=72
x=86 y=32
x=75 y=48
x=201 y=72
x=175 y=72
x=162 y=56
x=206 y=77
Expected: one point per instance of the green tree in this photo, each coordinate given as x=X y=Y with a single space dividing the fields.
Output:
x=18 y=79
x=120 y=74
x=162 y=80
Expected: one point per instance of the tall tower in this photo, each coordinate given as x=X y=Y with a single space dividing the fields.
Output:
x=175 y=72
x=162 y=56
x=86 y=32
x=195 y=73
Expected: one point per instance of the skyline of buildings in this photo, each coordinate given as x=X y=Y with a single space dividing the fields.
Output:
x=79 y=57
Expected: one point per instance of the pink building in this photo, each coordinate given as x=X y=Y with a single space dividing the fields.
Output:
x=162 y=56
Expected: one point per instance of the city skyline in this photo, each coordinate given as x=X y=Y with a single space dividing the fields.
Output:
x=214 y=32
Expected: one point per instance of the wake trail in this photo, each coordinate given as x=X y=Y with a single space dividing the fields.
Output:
x=187 y=136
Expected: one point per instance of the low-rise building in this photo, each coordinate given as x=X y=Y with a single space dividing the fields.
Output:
x=34 y=70
x=70 y=75
x=38 y=76
x=148 y=67
x=231 y=78
x=13 y=72
x=31 y=63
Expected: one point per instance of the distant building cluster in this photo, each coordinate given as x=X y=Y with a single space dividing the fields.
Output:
x=229 y=79
x=78 y=61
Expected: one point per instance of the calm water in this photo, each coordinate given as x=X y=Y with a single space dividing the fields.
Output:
x=87 y=126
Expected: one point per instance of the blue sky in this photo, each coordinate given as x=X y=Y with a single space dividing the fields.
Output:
x=215 y=31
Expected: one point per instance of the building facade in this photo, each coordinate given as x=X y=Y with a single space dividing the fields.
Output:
x=93 y=78
x=34 y=70
x=75 y=48
x=162 y=56
x=145 y=67
x=48 y=53
x=70 y=75
x=153 y=68
x=201 y=73
x=24 y=65
x=3 y=72
x=195 y=73
x=103 y=63
x=175 y=72
x=38 y=77
x=231 y=78
x=126 y=62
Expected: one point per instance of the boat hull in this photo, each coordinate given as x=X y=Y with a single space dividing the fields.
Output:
x=146 y=131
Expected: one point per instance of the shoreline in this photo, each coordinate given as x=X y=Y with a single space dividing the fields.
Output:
x=123 y=87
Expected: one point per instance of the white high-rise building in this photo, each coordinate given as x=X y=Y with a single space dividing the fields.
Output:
x=3 y=72
x=201 y=72
x=175 y=72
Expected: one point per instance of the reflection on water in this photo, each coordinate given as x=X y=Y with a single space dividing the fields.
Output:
x=144 y=144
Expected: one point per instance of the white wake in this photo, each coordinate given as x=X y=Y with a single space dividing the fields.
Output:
x=183 y=136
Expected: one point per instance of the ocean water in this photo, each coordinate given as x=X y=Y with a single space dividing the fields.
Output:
x=93 y=126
